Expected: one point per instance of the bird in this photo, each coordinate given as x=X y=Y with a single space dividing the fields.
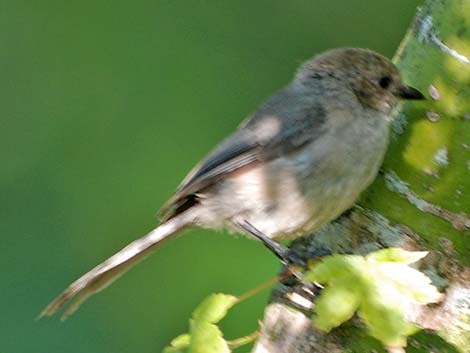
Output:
x=297 y=162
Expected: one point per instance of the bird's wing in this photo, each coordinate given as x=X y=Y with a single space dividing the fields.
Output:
x=281 y=126
x=232 y=154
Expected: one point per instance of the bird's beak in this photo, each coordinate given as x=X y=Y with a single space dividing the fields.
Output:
x=410 y=93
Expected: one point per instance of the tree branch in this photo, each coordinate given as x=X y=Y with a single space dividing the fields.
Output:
x=420 y=203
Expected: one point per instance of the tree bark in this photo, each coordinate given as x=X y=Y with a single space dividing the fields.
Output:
x=421 y=200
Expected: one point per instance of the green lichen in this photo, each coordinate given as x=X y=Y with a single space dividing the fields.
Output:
x=430 y=157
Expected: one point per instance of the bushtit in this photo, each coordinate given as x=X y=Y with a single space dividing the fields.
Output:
x=300 y=160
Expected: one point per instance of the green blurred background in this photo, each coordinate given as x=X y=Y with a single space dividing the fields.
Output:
x=105 y=105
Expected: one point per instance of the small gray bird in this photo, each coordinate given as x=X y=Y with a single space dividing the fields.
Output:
x=299 y=161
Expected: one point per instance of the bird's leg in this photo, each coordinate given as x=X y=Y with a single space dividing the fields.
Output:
x=286 y=255
x=277 y=249
x=291 y=261
x=294 y=263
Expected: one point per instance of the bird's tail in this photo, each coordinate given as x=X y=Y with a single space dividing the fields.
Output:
x=108 y=271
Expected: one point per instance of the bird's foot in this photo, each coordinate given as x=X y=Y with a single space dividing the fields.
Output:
x=297 y=263
x=300 y=293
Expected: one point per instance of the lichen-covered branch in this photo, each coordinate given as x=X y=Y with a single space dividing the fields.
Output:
x=420 y=202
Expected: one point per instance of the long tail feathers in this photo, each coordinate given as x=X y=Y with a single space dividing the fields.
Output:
x=108 y=271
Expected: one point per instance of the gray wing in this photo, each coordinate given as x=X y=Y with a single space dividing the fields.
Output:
x=285 y=123
x=232 y=154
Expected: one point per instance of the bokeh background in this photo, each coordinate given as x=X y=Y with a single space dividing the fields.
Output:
x=104 y=107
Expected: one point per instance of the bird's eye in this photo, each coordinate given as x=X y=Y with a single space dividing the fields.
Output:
x=385 y=82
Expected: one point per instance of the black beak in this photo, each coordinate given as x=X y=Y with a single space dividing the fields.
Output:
x=407 y=92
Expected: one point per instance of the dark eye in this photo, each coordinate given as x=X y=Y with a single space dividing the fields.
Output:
x=385 y=81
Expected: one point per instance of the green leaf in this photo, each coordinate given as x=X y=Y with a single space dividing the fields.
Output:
x=214 y=308
x=381 y=286
x=204 y=336
x=178 y=344
x=396 y=255
x=413 y=285
x=336 y=304
x=333 y=267
x=383 y=313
